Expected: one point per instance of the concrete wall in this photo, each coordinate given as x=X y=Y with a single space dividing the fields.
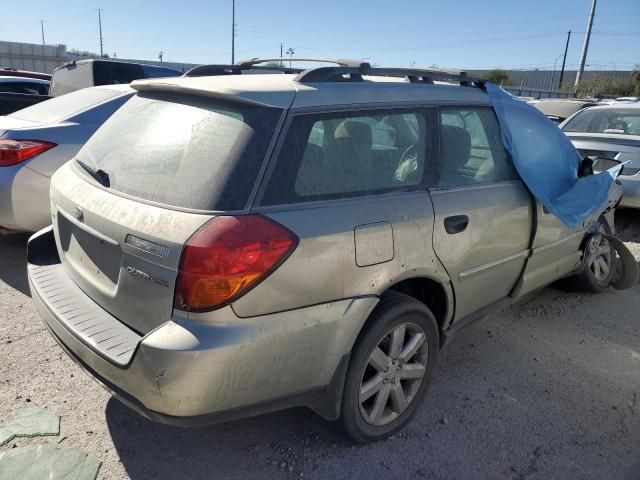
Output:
x=32 y=56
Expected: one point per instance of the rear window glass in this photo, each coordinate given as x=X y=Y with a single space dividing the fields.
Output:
x=187 y=152
x=66 y=106
x=621 y=121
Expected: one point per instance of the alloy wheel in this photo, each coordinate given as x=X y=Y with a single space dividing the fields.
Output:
x=393 y=374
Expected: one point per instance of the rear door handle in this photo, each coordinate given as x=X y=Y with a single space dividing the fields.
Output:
x=456 y=224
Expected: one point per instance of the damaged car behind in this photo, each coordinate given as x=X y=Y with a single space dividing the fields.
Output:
x=231 y=245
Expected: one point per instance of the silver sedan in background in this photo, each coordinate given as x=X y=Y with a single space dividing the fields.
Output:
x=611 y=132
x=37 y=140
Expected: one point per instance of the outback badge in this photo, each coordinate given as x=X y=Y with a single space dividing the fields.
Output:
x=136 y=272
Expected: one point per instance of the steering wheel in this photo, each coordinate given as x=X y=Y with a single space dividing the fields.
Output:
x=408 y=163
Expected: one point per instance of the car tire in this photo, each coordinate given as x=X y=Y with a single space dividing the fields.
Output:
x=592 y=279
x=401 y=336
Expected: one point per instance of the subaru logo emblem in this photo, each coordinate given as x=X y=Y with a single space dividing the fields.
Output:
x=78 y=214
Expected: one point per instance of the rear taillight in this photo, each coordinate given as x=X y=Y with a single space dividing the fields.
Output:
x=16 y=151
x=228 y=256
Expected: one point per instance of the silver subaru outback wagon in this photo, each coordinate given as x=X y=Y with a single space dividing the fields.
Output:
x=231 y=245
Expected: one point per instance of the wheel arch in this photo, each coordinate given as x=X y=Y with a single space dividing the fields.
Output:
x=436 y=295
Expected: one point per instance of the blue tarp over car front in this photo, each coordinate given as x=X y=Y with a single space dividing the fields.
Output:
x=547 y=161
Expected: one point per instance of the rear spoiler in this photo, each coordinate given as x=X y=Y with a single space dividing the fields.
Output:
x=228 y=94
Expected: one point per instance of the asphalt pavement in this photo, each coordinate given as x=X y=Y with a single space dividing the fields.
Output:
x=547 y=389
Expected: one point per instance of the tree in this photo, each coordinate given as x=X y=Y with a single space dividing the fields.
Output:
x=593 y=86
x=636 y=79
x=498 y=76
x=87 y=53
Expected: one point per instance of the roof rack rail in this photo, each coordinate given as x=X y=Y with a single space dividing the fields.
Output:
x=414 y=75
x=277 y=64
x=343 y=62
x=346 y=70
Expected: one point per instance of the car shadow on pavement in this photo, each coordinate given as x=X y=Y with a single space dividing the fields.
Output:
x=273 y=443
x=13 y=261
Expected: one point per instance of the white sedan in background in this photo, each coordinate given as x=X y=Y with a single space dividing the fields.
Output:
x=37 y=140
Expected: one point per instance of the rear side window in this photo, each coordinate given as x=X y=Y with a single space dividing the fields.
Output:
x=329 y=156
x=150 y=71
x=66 y=106
x=182 y=151
x=112 y=73
x=471 y=149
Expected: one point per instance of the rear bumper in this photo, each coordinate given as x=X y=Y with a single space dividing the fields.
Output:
x=631 y=191
x=191 y=372
x=24 y=199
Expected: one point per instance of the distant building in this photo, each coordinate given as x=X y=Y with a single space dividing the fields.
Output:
x=32 y=56
x=45 y=58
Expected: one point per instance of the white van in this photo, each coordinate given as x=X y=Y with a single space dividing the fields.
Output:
x=89 y=73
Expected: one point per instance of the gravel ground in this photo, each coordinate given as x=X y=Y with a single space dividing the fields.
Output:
x=546 y=389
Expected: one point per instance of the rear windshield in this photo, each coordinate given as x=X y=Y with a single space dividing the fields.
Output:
x=187 y=152
x=622 y=121
x=158 y=72
x=28 y=88
x=111 y=73
x=66 y=106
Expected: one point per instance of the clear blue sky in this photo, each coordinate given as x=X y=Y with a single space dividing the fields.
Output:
x=458 y=33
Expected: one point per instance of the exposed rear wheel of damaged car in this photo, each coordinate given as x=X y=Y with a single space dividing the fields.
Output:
x=390 y=368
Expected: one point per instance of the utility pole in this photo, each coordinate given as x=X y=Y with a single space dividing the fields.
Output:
x=100 y=27
x=233 y=31
x=160 y=56
x=281 y=47
x=564 y=60
x=42 y=29
x=585 y=46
